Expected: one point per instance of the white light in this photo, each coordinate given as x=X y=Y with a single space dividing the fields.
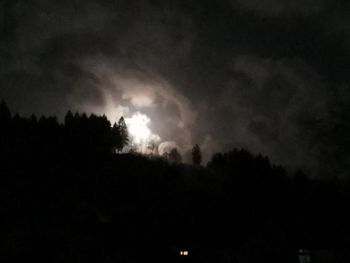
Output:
x=139 y=130
x=137 y=126
x=184 y=253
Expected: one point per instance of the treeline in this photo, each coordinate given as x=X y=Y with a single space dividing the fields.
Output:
x=65 y=196
x=79 y=133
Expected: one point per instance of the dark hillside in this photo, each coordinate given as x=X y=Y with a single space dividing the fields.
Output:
x=67 y=196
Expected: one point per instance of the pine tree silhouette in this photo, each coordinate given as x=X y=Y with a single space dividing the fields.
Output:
x=196 y=155
x=123 y=139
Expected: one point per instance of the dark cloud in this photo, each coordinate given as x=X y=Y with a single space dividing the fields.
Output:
x=281 y=7
x=265 y=105
x=270 y=76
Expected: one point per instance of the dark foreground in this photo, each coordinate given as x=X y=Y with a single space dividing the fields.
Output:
x=66 y=197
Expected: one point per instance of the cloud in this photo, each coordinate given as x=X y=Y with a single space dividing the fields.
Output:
x=166 y=147
x=125 y=92
x=281 y=7
x=275 y=107
x=266 y=75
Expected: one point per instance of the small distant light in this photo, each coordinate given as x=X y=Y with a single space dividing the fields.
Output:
x=184 y=253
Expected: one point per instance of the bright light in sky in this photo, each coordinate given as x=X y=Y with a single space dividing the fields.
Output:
x=139 y=130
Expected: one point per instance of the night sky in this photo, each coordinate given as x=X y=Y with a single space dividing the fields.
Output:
x=271 y=76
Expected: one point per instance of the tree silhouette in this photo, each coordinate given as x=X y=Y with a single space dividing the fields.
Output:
x=196 y=155
x=115 y=137
x=174 y=156
x=5 y=114
x=68 y=119
x=123 y=139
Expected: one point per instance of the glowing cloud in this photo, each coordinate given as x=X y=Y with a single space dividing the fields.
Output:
x=139 y=130
x=138 y=96
x=166 y=147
